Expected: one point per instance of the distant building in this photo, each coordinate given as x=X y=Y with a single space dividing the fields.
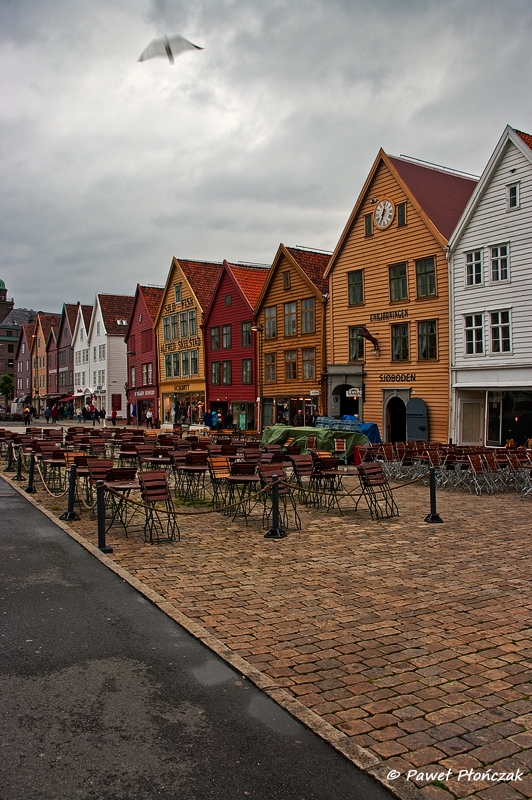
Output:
x=11 y=321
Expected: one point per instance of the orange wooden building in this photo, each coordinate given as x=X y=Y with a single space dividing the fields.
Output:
x=388 y=311
x=290 y=316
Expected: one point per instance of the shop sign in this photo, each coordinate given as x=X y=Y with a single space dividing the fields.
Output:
x=400 y=313
x=398 y=377
x=314 y=392
x=181 y=387
x=354 y=392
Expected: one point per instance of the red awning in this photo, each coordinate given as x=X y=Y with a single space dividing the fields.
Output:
x=66 y=399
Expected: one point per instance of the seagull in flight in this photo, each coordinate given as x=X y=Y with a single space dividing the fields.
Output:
x=169 y=46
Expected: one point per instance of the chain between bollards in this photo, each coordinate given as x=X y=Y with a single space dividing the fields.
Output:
x=433 y=516
x=70 y=513
x=100 y=510
x=275 y=531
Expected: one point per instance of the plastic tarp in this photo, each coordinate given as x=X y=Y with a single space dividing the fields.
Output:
x=278 y=434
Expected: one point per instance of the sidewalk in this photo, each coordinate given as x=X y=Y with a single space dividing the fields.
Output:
x=408 y=642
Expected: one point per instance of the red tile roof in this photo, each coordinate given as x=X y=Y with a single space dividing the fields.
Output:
x=115 y=307
x=87 y=314
x=526 y=137
x=442 y=195
x=71 y=311
x=202 y=277
x=152 y=297
x=49 y=321
x=313 y=265
x=250 y=279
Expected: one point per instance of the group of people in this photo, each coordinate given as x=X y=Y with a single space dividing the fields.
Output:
x=216 y=420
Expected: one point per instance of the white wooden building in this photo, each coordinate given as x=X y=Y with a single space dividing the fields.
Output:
x=490 y=259
x=80 y=355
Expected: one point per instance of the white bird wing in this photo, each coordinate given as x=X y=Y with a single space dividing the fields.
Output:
x=167 y=47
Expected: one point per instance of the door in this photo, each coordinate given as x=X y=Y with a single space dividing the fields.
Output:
x=472 y=413
x=395 y=420
x=417 y=420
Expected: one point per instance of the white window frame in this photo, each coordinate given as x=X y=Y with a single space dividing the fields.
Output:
x=475 y=341
x=497 y=259
x=513 y=199
x=470 y=268
x=499 y=325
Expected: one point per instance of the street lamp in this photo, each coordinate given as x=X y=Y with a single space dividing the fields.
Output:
x=258 y=329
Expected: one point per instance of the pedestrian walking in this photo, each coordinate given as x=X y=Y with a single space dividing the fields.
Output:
x=113 y=416
x=47 y=414
x=102 y=417
x=55 y=413
x=149 y=418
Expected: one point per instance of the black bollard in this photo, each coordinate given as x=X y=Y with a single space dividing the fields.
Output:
x=433 y=516
x=30 y=488
x=10 y=467
x=100 y=509
x=18 y=476
x=275 y=531
x=70 y=513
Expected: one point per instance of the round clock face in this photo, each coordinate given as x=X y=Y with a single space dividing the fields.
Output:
x=384 y=213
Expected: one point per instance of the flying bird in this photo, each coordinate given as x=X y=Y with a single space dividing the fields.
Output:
x=169 y=46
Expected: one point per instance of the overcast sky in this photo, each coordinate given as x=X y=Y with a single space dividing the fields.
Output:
x=110 y=167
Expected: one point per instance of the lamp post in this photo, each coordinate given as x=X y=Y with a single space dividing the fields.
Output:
x=259 y=330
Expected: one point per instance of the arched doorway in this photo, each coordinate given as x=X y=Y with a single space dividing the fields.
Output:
x=346 y=405
x=395 y=420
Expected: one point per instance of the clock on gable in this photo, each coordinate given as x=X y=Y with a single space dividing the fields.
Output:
x=384 y=214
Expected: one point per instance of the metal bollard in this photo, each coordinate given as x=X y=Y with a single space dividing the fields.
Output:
x=18 y=476
x=100 y=509
x=433 y=516
x=10 y=467
x=30 y=488
x=275 y=531
x=70 y=513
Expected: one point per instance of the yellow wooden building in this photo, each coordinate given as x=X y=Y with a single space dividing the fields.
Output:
x=290 y=316
x=388 y=311
x=181 y=360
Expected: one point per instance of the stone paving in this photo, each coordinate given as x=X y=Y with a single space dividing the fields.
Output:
x=410 y=643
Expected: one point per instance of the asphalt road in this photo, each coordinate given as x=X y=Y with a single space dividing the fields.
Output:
x=104 y=697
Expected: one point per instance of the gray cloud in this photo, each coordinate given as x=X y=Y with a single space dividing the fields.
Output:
x=110 y=167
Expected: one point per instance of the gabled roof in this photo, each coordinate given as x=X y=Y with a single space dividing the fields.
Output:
x=201 y=277
x=310 y=263
x=71 y=312
x=86 y=312
x=523 y=142
x=18 y=317
x=27 y=330
x=152 y=297
x=116 y=311
x=47 y=322
x=248 y=280
x=438 y=195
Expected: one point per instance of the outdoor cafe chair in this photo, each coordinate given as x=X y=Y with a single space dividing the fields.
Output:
x=219 y=471
x=160 y=517
x=286 y=496
x=376 y=491
x=340 y=449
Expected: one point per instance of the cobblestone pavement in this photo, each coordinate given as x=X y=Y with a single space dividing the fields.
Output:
x=410 y=642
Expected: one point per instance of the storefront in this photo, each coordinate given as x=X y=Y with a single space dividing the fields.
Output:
x=494 y=417
x=282 y=410
x=144 y=400
x=182 y=406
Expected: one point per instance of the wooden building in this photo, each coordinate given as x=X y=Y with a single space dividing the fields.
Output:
x=491 y=272
x=43 y=324
x=107 y=352
x=388 y=312
x=291 y=328
x=80 y=348
x=230 y=343
x=23 y=364
x=187 y=293
x=141 y=351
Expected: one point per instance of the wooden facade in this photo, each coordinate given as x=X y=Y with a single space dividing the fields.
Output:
x=291 y=320
x=187 y=293
x=141 y=350
x=43 y=324
x=490 y=259
x=388 y=313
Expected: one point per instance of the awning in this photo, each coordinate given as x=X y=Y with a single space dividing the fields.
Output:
x=66 y=399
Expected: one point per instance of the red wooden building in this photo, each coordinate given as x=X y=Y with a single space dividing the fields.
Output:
x=230 y=344
x=141 y=343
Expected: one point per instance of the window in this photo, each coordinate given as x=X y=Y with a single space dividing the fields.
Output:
x=426 y=340
x=500 y=331
x=499 y=263
x=185 y=364
x=309 y=362
x=176 y=363
x=226 y=373
x=226 y=336
x=270 y=318
x=290 y=319
x=23 y=348
x=246 y=370
x=101 y=377
x=269 y=363
x=246 y=334
x=355 y=288
x=81 y=335
x=474 y=334
x=400 y=342
x=183 y=326
x=215 y=373
x=97 y=329
x=425 y=277
x=473 y=268
x=167 y=366
x=177 y=291
x=513 y=198
x=308 y=317
x=286 y=280
x=11 y=348
x=193 y=362
x=290 y=365
x=20 y=366
x=368 y=225
x=173 y=321
x=101 y=352
x=144 y=374
x=398 y=285
x=192 y=328
x=215 y=338
x=166 y=328
x=401 y=215
x=356 y=344
x=94 y=353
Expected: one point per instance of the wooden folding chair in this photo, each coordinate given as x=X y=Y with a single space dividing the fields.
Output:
x=160 y=515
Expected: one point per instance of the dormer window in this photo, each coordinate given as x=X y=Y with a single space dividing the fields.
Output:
x=513 y=199
x=286 y=280
x=177 y=290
